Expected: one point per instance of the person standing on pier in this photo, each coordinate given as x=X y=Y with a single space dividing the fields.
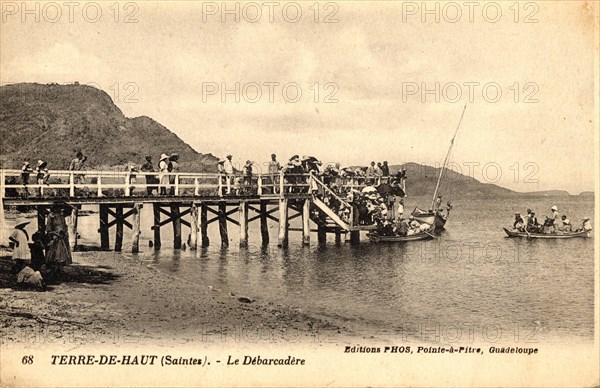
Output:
x=174 y=169
x=274 y=169
x=228 y=169
x=25 y=171
x=150 y=179
x=373 y=173
x=77 y=164
x=248 y=177
x=163 y=176
x=385 y=169
x=42 y=175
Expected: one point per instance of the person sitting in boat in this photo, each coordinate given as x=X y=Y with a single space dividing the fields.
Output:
x=402 y=227
x=519 y=223
x=385 y=228
x=532 y=223
x=424 y=227
x=552 y=222
x=527 y=216
x=566 y=224
x=586 y=225
x=414 y=227
x=383 y=209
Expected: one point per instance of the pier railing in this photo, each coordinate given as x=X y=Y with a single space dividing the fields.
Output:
x=101 y=183
x=97 y=183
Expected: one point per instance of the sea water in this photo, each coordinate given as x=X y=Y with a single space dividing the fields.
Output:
x=470 y=284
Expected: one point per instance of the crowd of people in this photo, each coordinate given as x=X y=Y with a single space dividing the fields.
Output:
x=161 y=184
x=553 y=223
x=48 y=252
x=234 y=180
x=369 y=195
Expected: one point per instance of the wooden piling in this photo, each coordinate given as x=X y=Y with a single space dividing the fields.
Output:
x=243 y=220
x=264 y=227
x=119 y=225
x=223 y=224
x=204 y=225
x=322 y=228
x=72 y=224
x=176 y=226
x=156 y=209
x=338 y=236
x=283 y=223
x=194 y=214
x=355 y=237
x=135 y=238
x=41 y=220
x=321 y=234
x=306 y=222
x=104 y=236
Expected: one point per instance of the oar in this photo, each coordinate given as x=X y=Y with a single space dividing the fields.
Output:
x=429 y=234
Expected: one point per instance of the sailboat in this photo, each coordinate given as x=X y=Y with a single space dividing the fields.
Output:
x=431 y=216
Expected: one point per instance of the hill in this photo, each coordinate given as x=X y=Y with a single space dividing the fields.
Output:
x=52 y=122
x=421 y=180
x=549 y=193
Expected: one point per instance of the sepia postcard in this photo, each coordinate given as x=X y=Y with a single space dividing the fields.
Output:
x=299 y=193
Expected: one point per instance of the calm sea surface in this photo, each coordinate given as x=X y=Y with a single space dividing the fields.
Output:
x=471 y=277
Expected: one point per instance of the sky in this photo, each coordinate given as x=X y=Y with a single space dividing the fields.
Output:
x=343 y=81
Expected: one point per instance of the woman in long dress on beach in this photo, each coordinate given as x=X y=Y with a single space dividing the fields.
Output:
x=58 y=252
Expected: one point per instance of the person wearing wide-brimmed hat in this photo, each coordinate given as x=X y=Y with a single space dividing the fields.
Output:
x=291 y=171
x=163 y=176
x=553 y=223
x=18 y=241
x=586 y=224
x=25 y=172
x=42 y=175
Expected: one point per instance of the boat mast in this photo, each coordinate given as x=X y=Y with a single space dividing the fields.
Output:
x=437 y=186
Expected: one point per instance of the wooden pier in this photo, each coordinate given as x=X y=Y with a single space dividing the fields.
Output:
x=197 y=200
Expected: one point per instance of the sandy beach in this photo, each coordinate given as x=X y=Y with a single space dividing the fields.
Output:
x=110 y=297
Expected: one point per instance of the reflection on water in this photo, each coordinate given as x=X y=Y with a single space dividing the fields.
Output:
x=472 y=274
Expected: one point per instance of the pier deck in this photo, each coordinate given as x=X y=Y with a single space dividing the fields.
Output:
x=121 y=194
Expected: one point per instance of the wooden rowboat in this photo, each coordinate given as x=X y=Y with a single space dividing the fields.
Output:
x=377 y=238
x=582 y=233
x=429 y=217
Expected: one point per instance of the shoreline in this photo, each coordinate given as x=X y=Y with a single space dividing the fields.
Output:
x=111 y=297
